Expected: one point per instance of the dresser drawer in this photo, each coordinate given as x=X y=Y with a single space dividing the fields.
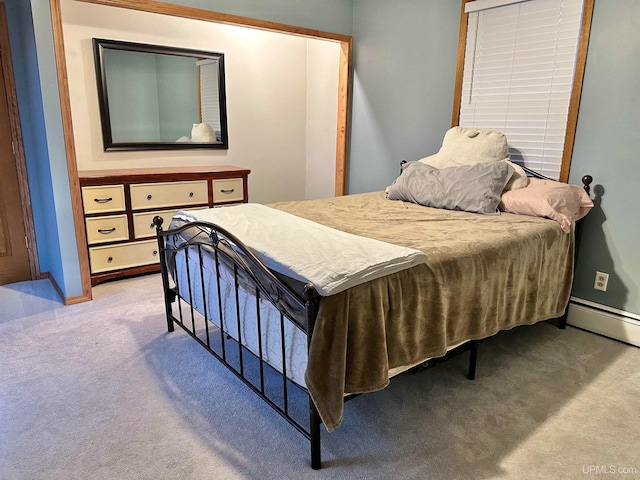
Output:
x=120 y=204
x=104 y=198
x=111 y=228
x=114 y=257
x=143 y=222
x=168 y=194
x=143 y=226
x=230 y=190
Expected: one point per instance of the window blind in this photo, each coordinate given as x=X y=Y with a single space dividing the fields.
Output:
x=209 y=95
x=475 y=5
x=518 y=76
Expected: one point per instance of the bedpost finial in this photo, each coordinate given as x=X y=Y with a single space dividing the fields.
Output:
x=310 y=292
x=157 y=221
x=586 y=182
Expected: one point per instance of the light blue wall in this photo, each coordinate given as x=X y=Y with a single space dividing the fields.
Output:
x=42 y=180
x=63 y=254
x=404 y=66
x=334 y=16
x=607 y=146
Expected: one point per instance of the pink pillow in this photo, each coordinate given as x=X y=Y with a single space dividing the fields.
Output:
x=558 y=201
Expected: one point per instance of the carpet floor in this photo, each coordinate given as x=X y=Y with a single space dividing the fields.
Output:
x=100 y=390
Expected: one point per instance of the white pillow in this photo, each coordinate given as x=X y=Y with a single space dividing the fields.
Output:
x=202 y=132
x=468 y=146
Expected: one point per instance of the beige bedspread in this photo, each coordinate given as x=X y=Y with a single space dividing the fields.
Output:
x=483 y=274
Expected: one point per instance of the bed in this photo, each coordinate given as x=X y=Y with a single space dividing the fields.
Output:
x=305 y=350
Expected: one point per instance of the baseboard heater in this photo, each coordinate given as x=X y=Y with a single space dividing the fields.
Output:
x=604 y=320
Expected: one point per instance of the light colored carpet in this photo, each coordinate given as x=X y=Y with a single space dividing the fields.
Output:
x=100 y=390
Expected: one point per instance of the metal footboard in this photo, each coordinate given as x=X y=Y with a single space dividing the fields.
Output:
x=196 y=305
x=199 y=311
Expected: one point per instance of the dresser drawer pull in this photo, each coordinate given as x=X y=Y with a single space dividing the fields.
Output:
x=107 y=231
x=231 y=190
x=191 y=194
x=155 y=252
x=102 y=200
x=110 y=259
x=149 y=197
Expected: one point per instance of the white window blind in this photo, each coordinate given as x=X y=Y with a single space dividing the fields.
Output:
x=518 y=76
x=209 y=94
x=476 y=5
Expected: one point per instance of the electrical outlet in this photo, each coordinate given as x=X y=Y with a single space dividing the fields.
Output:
x=602 y=279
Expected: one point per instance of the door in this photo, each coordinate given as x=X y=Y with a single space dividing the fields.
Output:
x=14 y=256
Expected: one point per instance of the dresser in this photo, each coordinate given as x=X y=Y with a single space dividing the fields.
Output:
x=119 y=207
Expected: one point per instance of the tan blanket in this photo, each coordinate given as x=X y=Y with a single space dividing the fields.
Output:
x=483 y=274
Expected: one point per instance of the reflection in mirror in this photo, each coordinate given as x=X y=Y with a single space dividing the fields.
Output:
x=154 y=97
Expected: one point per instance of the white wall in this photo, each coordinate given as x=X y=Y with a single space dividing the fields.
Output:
x=267 y=101
x=322 y=117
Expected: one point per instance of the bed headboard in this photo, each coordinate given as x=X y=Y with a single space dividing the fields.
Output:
x=586 y=179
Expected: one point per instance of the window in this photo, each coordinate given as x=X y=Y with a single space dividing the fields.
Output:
x=522 y=68
x=209 y=94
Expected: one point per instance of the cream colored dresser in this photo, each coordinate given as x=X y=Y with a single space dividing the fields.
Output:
x=119 y=206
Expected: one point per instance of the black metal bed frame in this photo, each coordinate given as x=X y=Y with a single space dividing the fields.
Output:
x=253 y=277
x=229 y=252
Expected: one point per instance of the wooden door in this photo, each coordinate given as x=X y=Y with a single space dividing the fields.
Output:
x=15 y=261
x=14 y=257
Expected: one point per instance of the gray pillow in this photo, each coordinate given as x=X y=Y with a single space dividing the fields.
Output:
x=471 y=188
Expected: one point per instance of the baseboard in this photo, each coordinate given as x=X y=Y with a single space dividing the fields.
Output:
x=616 y=324
x=65 y=300
x=48 y=276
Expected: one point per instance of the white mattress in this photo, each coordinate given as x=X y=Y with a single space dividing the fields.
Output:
x=295 y=339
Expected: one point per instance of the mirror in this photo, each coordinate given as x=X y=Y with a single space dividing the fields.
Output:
x=160 y=98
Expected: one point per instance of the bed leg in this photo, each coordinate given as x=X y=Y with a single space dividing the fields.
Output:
x=314 y=431
x=169 y=293
x=562 y=321
x=473 y=358
x=170 y=297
